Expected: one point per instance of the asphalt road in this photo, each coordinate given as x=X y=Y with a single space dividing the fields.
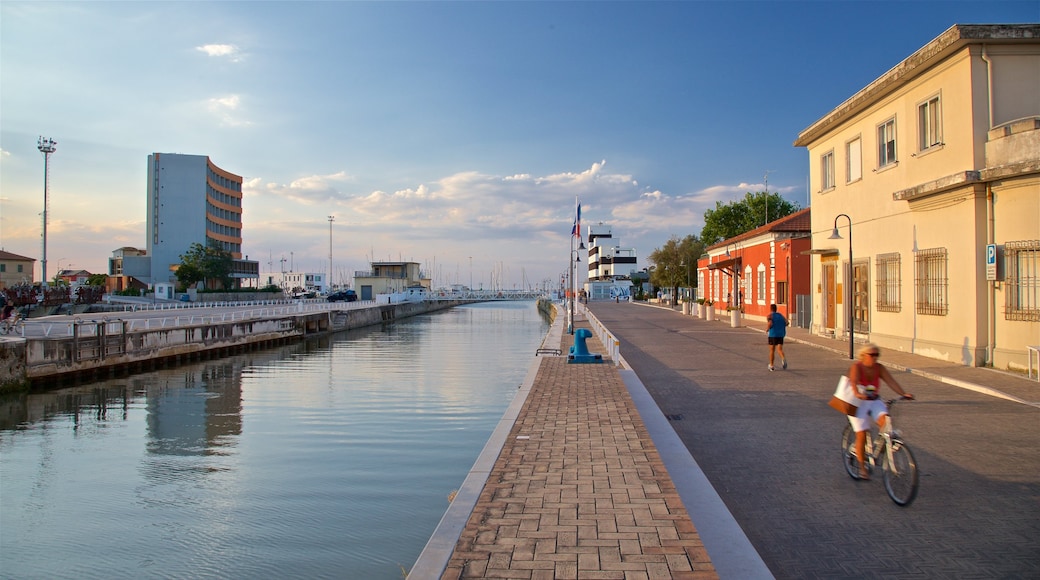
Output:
x=769 y=444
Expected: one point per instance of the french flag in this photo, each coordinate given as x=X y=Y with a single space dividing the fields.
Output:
x=576 y=229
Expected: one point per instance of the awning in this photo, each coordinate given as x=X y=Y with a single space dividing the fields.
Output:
x=725 y=264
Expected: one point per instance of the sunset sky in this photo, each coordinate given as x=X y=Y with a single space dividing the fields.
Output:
x=446 y=133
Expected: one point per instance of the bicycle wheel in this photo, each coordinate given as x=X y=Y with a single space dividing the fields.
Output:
x=900 y=474
x=848 y=452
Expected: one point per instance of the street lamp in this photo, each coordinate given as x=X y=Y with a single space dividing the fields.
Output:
x=328 y=281
x=848 y=281
x=574 y=281
x=46 y=146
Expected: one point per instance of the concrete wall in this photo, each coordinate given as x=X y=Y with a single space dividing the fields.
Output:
x=110 y=346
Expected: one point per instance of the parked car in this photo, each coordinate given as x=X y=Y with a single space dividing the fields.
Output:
x=344 y=295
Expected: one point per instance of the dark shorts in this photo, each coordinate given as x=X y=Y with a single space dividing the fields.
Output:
x=776 y=340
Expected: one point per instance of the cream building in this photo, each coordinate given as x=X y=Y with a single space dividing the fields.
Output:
x=935 y=168
x=389 y=278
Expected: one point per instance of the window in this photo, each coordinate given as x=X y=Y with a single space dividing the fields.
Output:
x=930 y=281
x=20 y=266
x=888 y=283
x=827 y=171
x=3 y=267
x=886 y=136
x=761 y=290
x=854 y=160
x=747 y=285
x=781 y=292
x=929 y=124
x=1022 y=277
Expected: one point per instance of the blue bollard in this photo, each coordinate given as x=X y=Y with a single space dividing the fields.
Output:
x=579 y=353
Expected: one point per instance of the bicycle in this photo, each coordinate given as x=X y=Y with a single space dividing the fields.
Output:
x=8 y=324
x=886 y=450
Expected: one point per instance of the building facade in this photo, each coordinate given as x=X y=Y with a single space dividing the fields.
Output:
x=610 y=266
x=389 y=278
x=767 y=265
x=15 y=270
x=191 y=200
x=930 y=175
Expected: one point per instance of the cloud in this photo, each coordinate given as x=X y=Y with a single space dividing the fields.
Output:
x=230 y=51
x=309 y=190
x=225 y=109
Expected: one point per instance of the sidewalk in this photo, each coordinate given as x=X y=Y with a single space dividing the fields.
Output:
x=578 y=489
x=1002 y=384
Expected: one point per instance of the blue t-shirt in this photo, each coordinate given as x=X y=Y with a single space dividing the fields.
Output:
x=779 y=328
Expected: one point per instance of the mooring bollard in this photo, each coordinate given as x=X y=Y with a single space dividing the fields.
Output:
x=579 y=353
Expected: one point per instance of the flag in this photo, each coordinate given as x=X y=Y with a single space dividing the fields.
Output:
x=576 y=228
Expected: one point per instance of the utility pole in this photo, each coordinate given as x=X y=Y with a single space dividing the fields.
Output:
x=328 y=282
x=46 y=146
x=766 y=179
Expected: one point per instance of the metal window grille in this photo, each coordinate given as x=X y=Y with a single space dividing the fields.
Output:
x=930 y=282
x=1022 y=268
x=888 y=283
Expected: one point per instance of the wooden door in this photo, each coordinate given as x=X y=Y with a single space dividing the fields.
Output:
x=830 y=292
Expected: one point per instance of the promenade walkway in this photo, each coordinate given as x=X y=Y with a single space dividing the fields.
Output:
x=578 y=489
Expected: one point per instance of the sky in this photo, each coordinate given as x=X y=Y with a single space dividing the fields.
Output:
x=453 y=134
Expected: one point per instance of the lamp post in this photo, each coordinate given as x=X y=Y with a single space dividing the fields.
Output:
x=574 y=282
x=848 y=281
x=328 y=281
x=46 y=146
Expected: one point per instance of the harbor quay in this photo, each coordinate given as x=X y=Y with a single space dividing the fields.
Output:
x=726 y=469
x=572 y=485
x=57 y=350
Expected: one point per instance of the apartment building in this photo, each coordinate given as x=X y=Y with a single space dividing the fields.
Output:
x=15 y=269
x=610 y=266
x=925 y=192
x=191 y=200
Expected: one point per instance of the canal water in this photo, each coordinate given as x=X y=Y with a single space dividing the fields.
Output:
x=332 y=458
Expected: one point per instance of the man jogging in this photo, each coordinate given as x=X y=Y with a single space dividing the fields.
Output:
x=777 y=325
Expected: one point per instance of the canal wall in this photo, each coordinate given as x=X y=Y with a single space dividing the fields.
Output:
x=96 y=349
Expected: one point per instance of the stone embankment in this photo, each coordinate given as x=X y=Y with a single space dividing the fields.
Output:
x=94 y=349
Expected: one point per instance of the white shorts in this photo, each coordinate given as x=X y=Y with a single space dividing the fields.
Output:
x=867 y=410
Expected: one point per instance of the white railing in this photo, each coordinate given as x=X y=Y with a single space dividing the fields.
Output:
x=610 y=342
x=88 y=323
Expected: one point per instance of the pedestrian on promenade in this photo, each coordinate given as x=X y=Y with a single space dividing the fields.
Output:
x=866 y=374
x=777 y=330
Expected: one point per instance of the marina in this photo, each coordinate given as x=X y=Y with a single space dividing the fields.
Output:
x=332 y=454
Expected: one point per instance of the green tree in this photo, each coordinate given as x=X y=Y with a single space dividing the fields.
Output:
x=675 y=263
x=97 y=279
x=736 y=217
x=205 y=263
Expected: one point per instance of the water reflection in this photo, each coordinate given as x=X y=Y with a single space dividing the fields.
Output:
x=331 y=458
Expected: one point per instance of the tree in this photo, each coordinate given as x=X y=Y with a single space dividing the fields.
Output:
x=675 y=263
x=737 y=217
x=97 y=279
x=203 y=263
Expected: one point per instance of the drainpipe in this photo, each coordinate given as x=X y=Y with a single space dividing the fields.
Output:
x=989 y=85
x=991 y=295
x=990 y=287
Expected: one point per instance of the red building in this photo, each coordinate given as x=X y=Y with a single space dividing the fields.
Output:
x=767 y=265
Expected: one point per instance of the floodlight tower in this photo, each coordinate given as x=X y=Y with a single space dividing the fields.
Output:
x=46 y=146
x=328 y=278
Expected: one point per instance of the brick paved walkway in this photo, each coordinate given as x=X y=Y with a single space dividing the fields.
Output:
x=579 y=490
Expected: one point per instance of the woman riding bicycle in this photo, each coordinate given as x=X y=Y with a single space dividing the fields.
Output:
x=866 y=374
